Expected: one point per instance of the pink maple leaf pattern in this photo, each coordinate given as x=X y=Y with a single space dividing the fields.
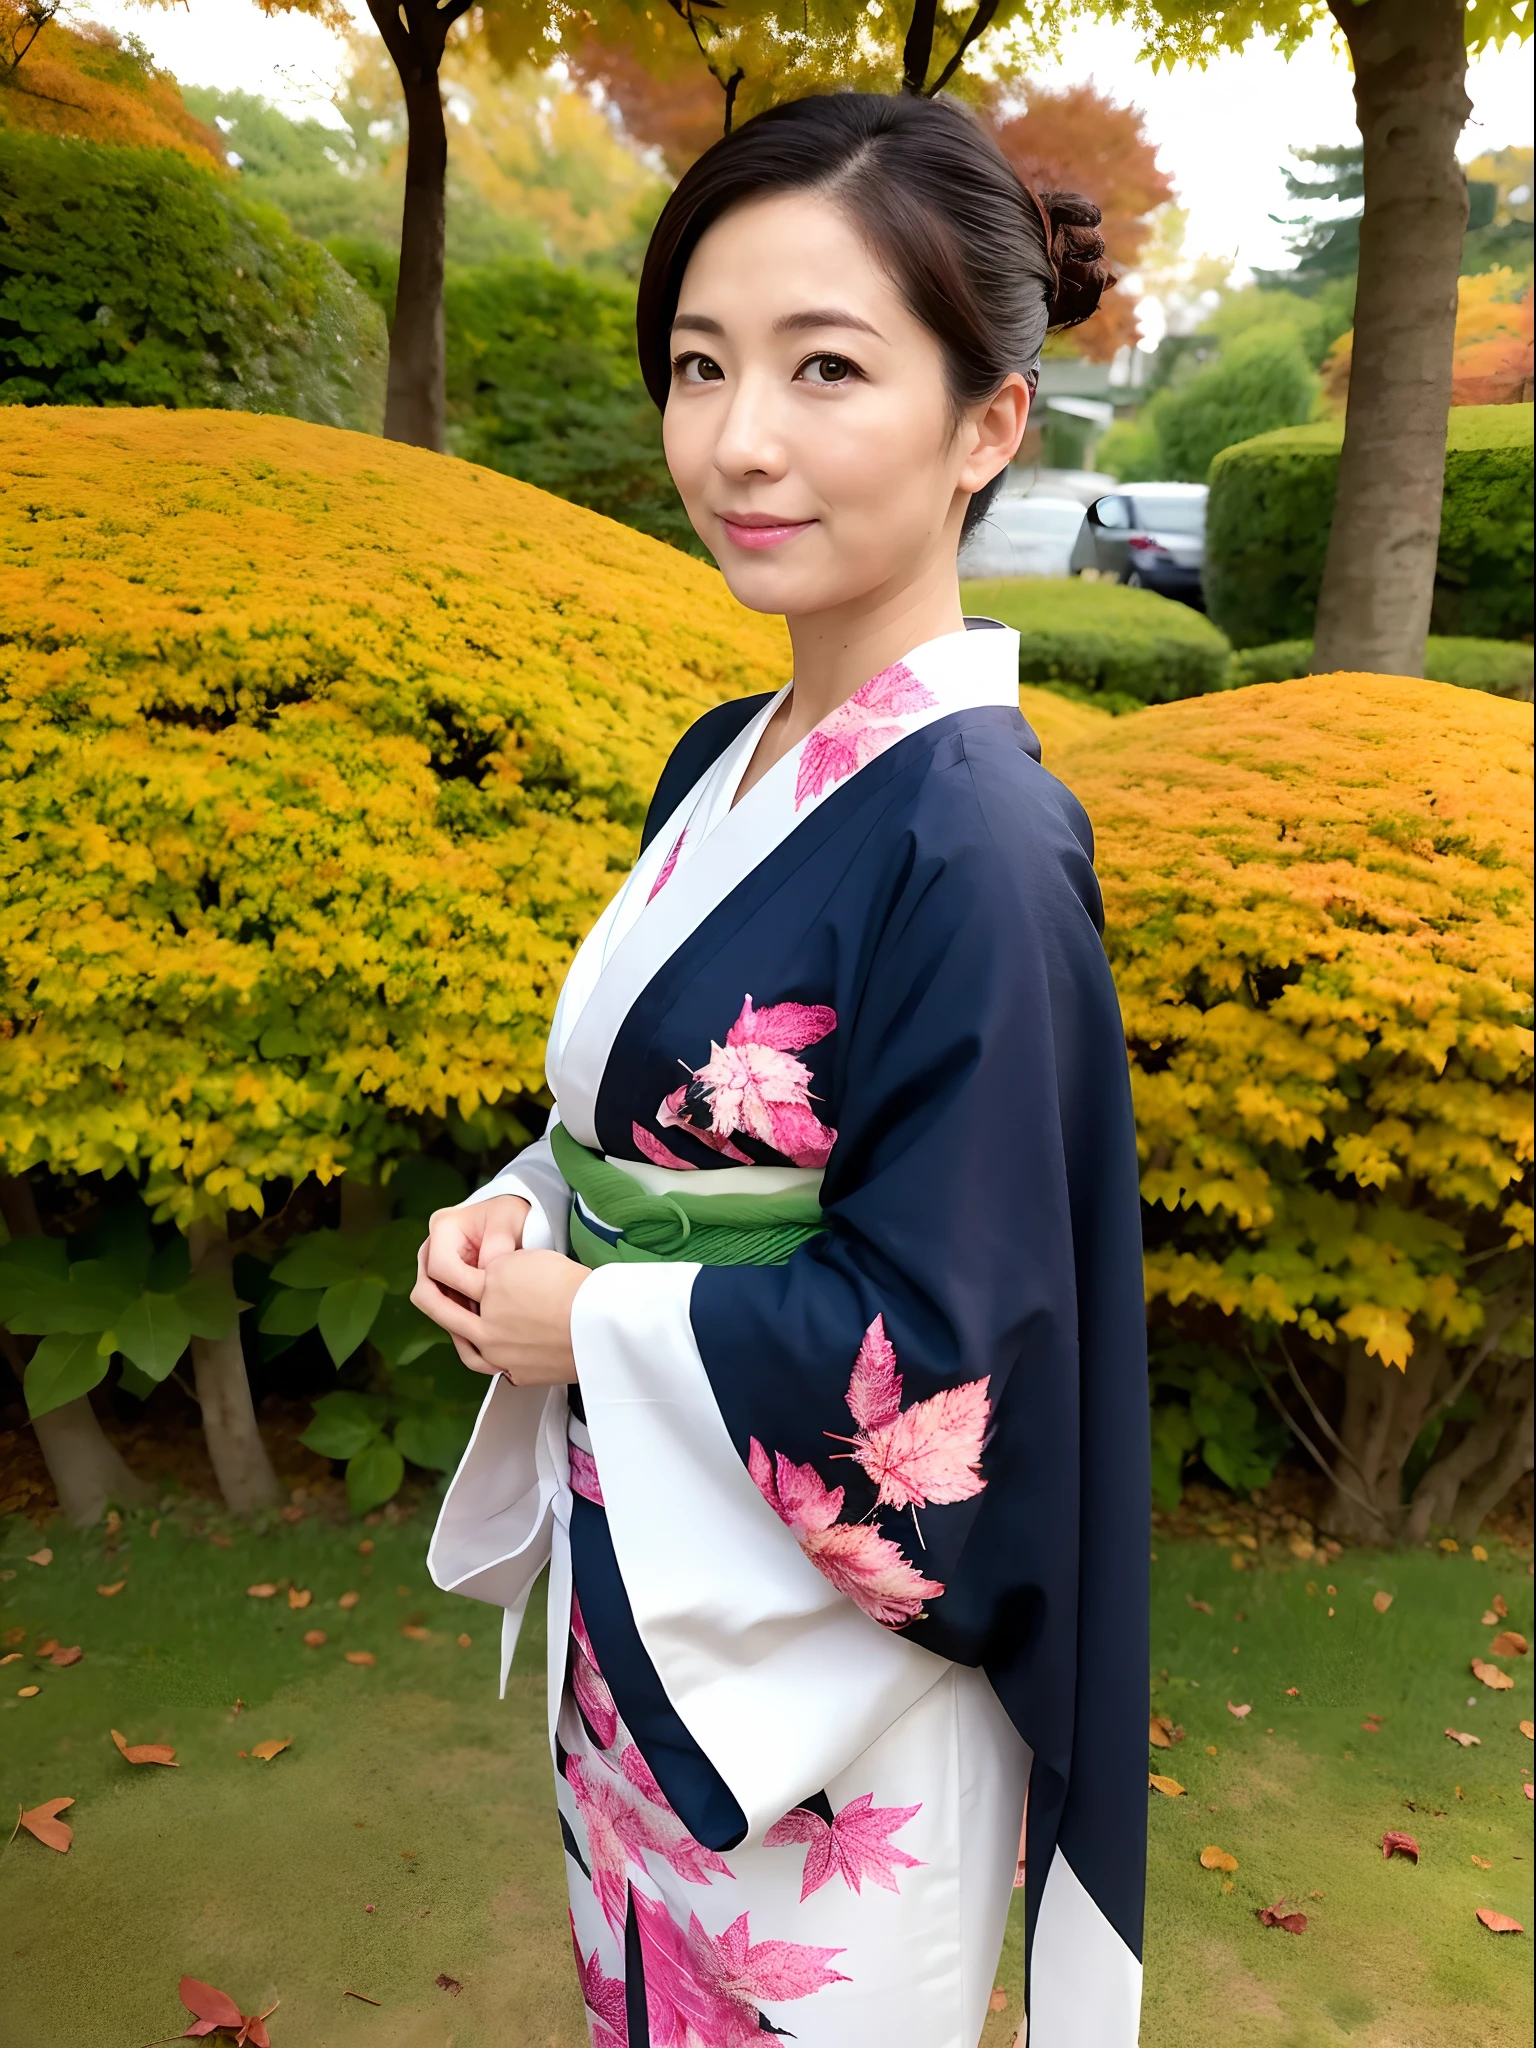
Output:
x=705 y=1991
x=667 y=866
x=868 y=1568
x=659 y=1154
x=754 y=1084
x=603 y=1997
x=584 y=1479
x=854 y=734
x=587 y=1682
x=625 y=1824
x=856 y=1846
x=926 y=1455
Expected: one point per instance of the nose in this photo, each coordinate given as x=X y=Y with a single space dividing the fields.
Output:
x=751 y=438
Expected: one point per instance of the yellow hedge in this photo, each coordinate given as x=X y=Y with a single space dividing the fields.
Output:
x=319 y=754
x=1319 y=900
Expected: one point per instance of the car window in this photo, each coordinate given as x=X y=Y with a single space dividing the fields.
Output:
x=1113 y=511
x=1171 y=515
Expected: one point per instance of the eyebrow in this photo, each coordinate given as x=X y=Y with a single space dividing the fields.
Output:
x=791 y=323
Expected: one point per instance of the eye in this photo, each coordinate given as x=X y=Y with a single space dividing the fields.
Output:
x=693 y=368
x=828 y=370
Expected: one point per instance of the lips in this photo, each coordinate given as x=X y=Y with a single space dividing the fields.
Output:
x=756 y=530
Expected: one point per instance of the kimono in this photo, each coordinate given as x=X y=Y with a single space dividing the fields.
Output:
x=848 y=1543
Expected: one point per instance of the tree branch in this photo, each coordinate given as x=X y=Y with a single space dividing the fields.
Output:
x=917 y=50
x=981 y=21
x=1307 y=1444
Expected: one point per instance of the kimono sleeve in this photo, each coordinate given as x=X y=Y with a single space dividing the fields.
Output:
x=901 y=1397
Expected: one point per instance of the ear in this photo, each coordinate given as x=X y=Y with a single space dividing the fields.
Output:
x=996 y=428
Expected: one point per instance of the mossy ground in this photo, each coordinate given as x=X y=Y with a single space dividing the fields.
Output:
x=410 y=1788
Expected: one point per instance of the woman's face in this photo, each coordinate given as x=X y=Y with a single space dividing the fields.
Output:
x=809 y=429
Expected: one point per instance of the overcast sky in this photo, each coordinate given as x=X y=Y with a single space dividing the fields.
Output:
x=1221 y=134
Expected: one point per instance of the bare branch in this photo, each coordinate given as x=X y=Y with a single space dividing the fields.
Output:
x=1307 y=1444
x=981 y=21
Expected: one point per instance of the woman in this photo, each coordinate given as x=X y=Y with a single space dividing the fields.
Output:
x=816 y=1315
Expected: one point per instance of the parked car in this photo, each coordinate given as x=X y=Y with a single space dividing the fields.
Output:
x=1151 y=536
x=1031 y=536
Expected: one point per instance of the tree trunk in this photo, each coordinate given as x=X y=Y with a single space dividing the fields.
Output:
x=89 y=1473
x=240 y=1462
x=917 y=49
x=1410 y=64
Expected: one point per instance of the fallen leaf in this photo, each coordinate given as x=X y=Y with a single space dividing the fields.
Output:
x=1449 y=1544
x=292 y=1513
x=13 y=1635
x=1370 y=1727
x=44 y=1824
x=267 y=1750
x=1212 y=1858
x=360 y=1657
x=62 y=1659
x=262 y=1592
x=1529 y=1790
x=449 y=1984
x=1500 y=1606
x=1239 y=1713
x=146 y=1752
x=29 y=1692
x=370 y=1909
x=154 y=1527
x=313 y=1638
x=296 y=1598
x=46 y=1647
x=237 y=1710
x=1273 y=1916
x=1528 y=1729
x=1466 y=1741
x=1498 y=1923
x=11 y=1657
x=1490 y=1619
x=465 y=1641
x=1210 y=1749
x=40 y=1557
x=415 y=1633
x=1508 y=1644
x=1293 y=1692
x=111 y=1592
x=1200 y=1606
x=366 y=1547
x=1300 y=1546
x=1482 y=1863
x=1169 y=1787
x=1491 y=1676
x=1381 y=1602
x=220 y=1540
x=1314 y=1895
x=1334 y=1590
x=1394 y=1844
x=349 y=1601
x=998 y=2002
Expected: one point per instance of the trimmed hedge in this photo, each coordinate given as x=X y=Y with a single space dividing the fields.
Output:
x=1127 y=647
x=1271 y=506
x=132 y=277
x=1502 y=667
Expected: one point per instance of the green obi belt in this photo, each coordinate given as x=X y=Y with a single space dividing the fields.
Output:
x=715 y=1230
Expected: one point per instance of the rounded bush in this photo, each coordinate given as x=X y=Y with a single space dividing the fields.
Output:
x=1271 y=507
x=1503 y=667
x=1318 y=898
x=1102 y=637
x=320 y=753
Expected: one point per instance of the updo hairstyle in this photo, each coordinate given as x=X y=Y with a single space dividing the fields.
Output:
x=987 y=265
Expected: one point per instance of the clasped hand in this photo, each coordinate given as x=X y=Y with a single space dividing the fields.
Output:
x=506 y=1309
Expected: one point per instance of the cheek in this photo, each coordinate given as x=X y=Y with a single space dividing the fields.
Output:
x=886 y=455
x=685 y=442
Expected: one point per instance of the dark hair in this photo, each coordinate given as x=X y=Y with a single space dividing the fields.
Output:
x=985 y=263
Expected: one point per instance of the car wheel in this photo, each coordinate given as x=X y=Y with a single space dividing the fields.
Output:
x=1133 y=580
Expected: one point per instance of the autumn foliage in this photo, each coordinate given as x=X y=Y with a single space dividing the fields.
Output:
x=1319 y=903
x=86 y=84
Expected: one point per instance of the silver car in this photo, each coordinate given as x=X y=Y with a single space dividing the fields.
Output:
x=1151 y=536
x=1031 y=536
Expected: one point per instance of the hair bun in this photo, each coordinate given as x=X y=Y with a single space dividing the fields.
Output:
x=1077 y=256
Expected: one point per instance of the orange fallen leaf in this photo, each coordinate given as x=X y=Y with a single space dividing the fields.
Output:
x=998 y=2002
x=1200 y=1606
x=1498 y=1923
x=366 y=1547
x=1275 y=1916
x=43 y=1823
x=1528 y=1730
x=46 y=1647
x=1395 y=1844
x=1293 y=1692
x=1500 y=1606
x=1210 y=1749
x=1529 y=1790
x=267 y=1750
x=298 y=1598
x=62 y=1659
x=111 y=1592
x=349 y=1601
x=415 y=1633
x=1490 y=1619
x=1169 y=1787
x=1466 y=1741
x=1212 y=1858
x=1239 y=1713
x=313 y=1638
x=465 y=1641
x=43 y=1556
x=28 y=1692
x=360 y=1657
x=1381 y=1602
x=265 y=1591
x=11 y=1657
x=1508 y=1644
x=213 y=2010
x=13 y=1635
x=1482 y=1863
x=146 y=1752
x=1491 y=1676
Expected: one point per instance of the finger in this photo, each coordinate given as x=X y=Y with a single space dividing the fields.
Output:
x=447 y=1263
x=469 y=1356
x=447 y=1313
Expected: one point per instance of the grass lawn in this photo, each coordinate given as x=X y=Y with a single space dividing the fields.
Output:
x=409 y=1788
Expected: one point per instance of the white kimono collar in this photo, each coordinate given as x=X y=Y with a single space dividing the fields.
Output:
x=670 y=892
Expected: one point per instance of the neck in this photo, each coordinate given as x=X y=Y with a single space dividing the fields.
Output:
x=837 y=651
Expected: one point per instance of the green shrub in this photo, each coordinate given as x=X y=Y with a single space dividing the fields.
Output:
x=132 y=277
x=1260 y=381
x=1130 y=645
x=1271 y=506
x=1502 y=667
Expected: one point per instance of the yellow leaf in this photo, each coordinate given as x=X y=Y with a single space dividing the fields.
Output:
x=1491 y=1676
x=1169 y=1787
x=111 y=1592
x=298 y=1599
x=265 y=1591
x=267 y=1750
x=1381 y=1602
x=1212 y=1858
